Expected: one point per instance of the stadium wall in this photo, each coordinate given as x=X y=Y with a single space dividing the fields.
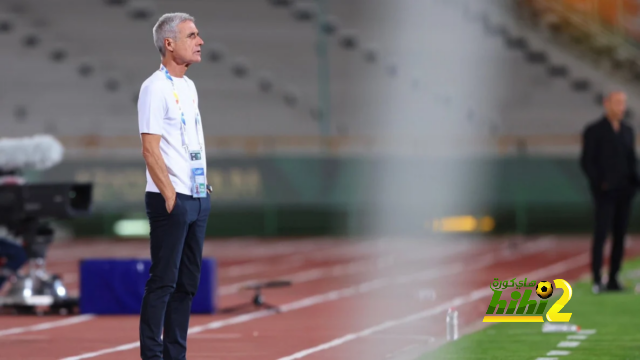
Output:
x=306 y=196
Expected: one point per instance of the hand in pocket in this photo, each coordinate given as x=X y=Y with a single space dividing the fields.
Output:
x=170 y=203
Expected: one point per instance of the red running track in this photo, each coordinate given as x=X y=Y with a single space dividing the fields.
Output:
x=350 y=299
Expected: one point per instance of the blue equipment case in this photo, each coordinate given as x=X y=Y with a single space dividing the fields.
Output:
x=116 y=286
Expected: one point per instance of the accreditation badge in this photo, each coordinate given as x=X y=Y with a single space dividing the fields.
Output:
x=198 y=179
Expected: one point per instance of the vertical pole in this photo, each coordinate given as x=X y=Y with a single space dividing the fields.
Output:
x=620 y=11
x=324 y=72
x=521 y=188
x=595 y=15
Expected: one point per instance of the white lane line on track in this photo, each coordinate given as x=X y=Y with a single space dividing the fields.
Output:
x=333 y=271
x=47 y=325
x=255 y=267
x=479 y=263
x=569 y=264
x=216 y=336
x=15 y=338
x=299 y=277
x=314 y=274
x=364 y=265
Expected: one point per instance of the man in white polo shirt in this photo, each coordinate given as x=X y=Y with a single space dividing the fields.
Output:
x=177 y=195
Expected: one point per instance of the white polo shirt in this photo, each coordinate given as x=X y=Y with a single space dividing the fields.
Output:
x=158 y=113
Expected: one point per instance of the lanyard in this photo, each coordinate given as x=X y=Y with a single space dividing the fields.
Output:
x=183 y=122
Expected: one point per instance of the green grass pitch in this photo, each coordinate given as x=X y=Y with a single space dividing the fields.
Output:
x=614 y=316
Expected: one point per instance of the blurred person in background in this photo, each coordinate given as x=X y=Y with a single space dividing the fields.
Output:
x=608 y=160
x=12 y=254
x=177 y=196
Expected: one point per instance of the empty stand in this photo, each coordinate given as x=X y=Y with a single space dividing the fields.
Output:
x=458 y=70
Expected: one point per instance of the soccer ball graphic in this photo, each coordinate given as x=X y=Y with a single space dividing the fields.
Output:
x=544 y=289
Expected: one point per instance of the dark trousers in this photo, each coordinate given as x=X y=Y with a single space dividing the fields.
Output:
x=177 y=239
x=14 y=258
x=612 y=212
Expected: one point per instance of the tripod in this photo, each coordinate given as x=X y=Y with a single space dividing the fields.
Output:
x=257 y=301
x=38 y=288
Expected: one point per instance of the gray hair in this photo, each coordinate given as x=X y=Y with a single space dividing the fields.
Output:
x=167 y=27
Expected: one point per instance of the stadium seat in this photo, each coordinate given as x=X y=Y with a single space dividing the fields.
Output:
x=475 y=72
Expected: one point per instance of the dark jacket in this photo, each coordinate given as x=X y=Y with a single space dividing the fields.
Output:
x=609 y=157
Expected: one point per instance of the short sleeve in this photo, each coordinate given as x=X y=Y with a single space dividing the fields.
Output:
x=152 y=108
x=192 y=86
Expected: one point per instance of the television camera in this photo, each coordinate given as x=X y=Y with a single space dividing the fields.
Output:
x=26 y=211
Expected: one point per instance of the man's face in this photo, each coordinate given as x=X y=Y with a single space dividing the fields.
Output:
x=187 y=48
x=616 y=105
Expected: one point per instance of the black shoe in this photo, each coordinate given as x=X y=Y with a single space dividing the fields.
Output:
x=614 y=285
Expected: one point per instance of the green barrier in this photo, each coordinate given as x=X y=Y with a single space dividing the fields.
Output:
x=323 y=221
x=291 y=196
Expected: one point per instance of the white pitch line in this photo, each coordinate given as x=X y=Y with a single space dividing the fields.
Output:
x=456 y=302
x=558 y=353
x=569 y=344
x=577 y=337
x=362 y=288
x=46 y=326
x=587 y=332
